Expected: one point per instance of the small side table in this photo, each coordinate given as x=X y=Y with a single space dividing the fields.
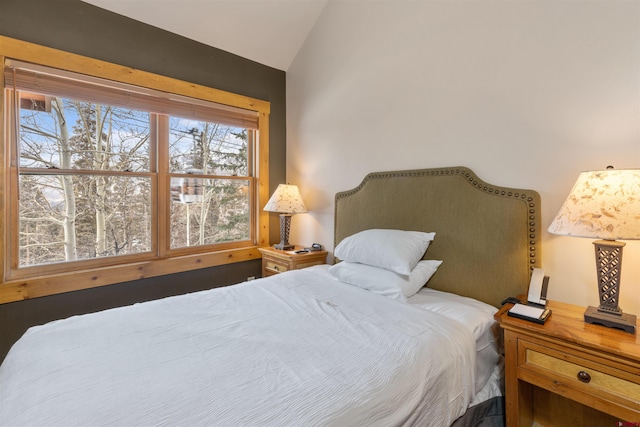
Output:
x=275 y=261
x=568 y=372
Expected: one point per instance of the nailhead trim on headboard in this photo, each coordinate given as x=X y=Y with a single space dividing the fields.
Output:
x=530 y=197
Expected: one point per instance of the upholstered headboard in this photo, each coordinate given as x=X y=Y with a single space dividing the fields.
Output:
x=487 y=236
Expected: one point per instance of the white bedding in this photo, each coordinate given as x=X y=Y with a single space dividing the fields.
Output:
x=476 y=316
x=293 y=349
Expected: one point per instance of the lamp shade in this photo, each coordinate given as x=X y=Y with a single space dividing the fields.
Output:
x=602 y=204
x=286 y=199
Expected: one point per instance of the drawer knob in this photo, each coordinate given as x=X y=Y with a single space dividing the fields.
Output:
x=584 y=376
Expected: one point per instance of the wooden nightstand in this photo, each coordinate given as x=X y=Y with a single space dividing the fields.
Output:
x=276 y=261
x=569 y=373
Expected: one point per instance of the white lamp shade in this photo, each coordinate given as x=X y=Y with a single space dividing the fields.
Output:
x=286 y=199
x=603 y=205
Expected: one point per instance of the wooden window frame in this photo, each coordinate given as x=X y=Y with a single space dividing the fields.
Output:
x=16 y=289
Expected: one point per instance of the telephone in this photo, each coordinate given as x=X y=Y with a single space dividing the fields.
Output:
x=538 y=288
x=313 y=248
x=534 y=309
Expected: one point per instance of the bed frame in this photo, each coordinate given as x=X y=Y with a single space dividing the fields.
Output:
x=488 y=236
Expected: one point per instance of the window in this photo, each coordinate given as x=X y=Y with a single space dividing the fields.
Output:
x=108 y=174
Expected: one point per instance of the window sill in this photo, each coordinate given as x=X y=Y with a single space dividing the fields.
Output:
x=18 y=290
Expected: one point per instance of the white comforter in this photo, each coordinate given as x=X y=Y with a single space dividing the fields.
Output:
x=296 y=349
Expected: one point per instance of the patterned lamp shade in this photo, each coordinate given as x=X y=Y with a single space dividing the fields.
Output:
x=286 y=199
x=603 y=205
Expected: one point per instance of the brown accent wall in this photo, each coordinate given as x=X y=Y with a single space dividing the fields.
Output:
x=81 y=28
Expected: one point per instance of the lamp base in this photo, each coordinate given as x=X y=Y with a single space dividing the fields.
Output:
x=285 y=225
x=624 y=321
x=284 y=246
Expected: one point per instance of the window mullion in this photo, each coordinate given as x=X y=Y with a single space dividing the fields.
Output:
x=162 y=193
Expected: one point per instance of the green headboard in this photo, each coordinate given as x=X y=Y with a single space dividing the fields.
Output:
x=488 y=236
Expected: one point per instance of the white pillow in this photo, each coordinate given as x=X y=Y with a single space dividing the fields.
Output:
x=395 y=250
x=385 y=282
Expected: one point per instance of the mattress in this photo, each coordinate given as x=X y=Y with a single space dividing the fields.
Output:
x=298 y=348
x=477 y=317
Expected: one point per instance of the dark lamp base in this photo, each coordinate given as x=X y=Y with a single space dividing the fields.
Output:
x=624 y=321
x=284 y=246
x=285 y=225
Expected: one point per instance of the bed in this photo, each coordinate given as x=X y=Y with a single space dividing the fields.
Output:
x=358 y=342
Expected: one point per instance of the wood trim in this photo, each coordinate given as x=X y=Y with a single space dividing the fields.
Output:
x=163 y=211
x=30 y=52
x=262 y=169
x=4 y=155
x=84 y=279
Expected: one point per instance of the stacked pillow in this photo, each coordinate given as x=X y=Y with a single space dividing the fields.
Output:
x=384 y=261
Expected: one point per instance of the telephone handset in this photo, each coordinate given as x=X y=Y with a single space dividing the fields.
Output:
x=538 y=288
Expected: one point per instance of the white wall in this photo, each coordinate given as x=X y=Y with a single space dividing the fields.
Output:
x=525 y=93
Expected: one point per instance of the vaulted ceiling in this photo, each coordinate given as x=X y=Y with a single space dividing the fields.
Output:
x=270 y=32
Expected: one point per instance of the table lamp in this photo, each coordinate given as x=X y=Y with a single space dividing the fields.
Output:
x=604 y=205
x=285 y=200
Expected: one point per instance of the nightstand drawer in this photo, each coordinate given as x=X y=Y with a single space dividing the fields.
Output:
x=579 y=374
x=276 y=267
